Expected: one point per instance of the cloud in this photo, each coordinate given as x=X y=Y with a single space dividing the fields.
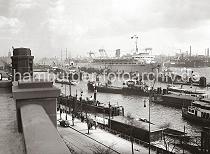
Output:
x=80 y=25
x=9 y=26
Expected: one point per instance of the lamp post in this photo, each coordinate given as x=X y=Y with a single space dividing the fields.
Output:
x=69 y=86
x=149 y=116
x=110 y=115
x=66 y=107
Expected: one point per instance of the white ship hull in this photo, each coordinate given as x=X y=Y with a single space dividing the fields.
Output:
x=126 y=68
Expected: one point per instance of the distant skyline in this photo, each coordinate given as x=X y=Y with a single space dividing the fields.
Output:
x=47 y=26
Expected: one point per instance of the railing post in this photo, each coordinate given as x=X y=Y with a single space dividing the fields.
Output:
x=42 y=93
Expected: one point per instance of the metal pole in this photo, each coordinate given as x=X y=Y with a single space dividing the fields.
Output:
x=60 y=110
x=66 y=108
x=136 y=44
x=69 y=86
x=65 y=90
x=109 y=115
x=66 y=102
x=87 y=120
x=183 y=140
x=149 y=120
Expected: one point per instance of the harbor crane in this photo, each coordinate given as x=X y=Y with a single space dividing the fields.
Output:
x=91 y=54
x=103 y=53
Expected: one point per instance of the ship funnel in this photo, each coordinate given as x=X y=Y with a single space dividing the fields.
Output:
x=117 y=54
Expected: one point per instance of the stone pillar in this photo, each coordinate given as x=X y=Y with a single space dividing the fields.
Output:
x=41 y=93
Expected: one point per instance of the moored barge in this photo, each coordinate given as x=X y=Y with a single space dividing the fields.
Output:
x=131 y=88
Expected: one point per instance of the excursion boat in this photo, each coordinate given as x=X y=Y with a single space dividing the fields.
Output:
x=198 y=112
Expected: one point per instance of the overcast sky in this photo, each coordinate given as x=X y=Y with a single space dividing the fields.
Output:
x=47 y=26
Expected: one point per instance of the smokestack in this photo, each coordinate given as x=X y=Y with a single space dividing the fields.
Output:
x=190 y=51
x=117 y=54
x=207 y=54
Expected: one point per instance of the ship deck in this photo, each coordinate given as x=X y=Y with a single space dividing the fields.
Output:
x=185 y=97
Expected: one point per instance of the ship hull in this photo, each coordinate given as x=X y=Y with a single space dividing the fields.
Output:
x=117 y=90
x=124 y=68
x=191 y=64
x=195 y=119
x=176 y=100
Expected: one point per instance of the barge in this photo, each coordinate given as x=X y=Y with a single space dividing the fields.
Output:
x=131 y=88
x=66 y=82
x=90 y=106
x=179 y=97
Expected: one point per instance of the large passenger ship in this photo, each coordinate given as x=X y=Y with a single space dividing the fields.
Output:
x=138 y=62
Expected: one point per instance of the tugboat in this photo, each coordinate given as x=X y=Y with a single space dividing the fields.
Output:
x=198 y=112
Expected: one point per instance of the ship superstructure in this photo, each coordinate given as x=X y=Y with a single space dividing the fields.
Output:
x=139 y=61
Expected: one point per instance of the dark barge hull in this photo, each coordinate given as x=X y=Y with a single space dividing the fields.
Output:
x=63 y=82
x=118 y=90
x=89 y=106
x=195 y=119
x=174 y=100
x=104 y=89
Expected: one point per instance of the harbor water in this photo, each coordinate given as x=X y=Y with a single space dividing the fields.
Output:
x=160 y=115
x=134 y=105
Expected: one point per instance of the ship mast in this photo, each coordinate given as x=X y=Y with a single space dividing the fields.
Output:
x=136 y=41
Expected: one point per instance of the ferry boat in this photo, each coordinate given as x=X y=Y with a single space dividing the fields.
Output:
x=198 y=111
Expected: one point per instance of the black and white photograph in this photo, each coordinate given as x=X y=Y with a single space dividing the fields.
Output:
x=104 y=77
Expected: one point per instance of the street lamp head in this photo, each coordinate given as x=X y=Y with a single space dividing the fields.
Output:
x=145 y=103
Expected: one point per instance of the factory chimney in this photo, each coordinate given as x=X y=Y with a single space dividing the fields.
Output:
x=190 y=51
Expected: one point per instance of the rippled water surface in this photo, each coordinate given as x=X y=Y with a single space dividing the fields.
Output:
x=160 y=114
